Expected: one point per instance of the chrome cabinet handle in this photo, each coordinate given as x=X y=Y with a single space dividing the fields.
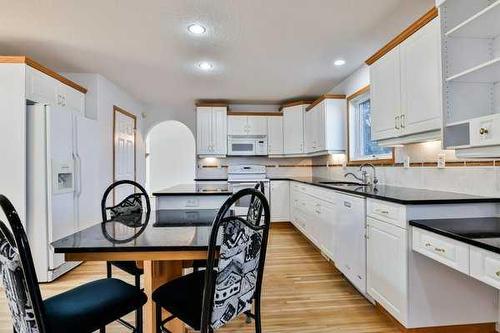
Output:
x=403 y=119
x=483 y=131
x=436 y=249
x=498 y=273
x=396 y=122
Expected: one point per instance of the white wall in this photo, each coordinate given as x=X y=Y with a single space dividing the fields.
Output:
x=171 y=153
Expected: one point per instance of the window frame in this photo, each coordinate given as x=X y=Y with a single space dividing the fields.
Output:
x=350 y=108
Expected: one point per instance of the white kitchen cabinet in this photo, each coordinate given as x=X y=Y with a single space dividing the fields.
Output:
x=247 y=125
x=350 y=250
x=211 y=130
x=293 y=129
x=275 y=135
x=421 y=80
x=405 y=89
x=324 y=126
x=70 y=99
x=327 y=218
x=385 y=96
x=280 y=200
x=387 y=266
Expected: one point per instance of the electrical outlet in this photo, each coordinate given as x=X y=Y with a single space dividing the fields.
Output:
x=441 y=163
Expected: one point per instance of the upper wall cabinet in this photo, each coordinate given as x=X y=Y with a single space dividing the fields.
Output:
x=42 y=88
x=293 y=129
x=211 y=130
x=247 y=125
x=406 y=89
x=470 y=36
x=275 y=135
x=325 y=124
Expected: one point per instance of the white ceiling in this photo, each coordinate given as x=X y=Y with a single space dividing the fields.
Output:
x=266 y=50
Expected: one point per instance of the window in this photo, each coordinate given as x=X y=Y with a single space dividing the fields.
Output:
x=361 y=146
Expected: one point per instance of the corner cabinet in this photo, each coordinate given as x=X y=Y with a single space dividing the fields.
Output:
x=211 y=130
x=406 y=89
x=293 y=129
x=324 y=126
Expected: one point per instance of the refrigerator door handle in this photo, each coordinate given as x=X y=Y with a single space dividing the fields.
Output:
x=79 y=175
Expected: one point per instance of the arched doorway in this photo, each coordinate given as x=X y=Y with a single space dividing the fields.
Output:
x=171 y=155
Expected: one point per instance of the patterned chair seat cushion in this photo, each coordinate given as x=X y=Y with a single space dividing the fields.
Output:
x=91 y=306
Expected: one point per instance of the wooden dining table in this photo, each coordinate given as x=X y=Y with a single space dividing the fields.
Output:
x=162 y=244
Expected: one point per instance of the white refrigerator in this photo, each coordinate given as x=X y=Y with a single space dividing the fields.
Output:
x=54 y=187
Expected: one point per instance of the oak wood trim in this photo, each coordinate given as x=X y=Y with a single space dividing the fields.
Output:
x=266 y=114
x=350 y=162
x=137 y=256
x=470 y=328
x=39 y=67
x=322 y=98
x=414 y=27
x=295 y=103
x=117 y=109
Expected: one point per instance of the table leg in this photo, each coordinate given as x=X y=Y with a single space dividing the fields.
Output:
x=157 y=273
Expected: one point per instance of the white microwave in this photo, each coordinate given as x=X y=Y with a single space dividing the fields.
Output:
x=247 y=145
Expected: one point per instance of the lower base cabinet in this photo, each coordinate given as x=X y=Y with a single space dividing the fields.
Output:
x=280 y=200
x=387 y=269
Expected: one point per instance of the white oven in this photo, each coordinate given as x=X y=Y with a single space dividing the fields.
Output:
x=247 y=145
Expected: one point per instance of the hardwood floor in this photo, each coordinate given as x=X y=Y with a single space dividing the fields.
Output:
x=302 y=293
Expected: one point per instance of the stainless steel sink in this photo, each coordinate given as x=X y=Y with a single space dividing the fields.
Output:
x=339 y=183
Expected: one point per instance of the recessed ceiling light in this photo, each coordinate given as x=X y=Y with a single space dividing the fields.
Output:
x=196 y=29
x=339 y=62
x=205 y=66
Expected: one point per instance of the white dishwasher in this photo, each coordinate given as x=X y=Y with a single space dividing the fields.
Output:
x=350 y=233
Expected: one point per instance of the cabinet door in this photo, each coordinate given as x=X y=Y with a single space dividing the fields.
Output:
x=327 y=215
x=237 y=125
x=40 y=87
x=387 y=267
x=280 y=201
x=71 y=99
x=385 y=94
x=257 y=125
x=319 y=129
x=219 y=130
x=421 y=80
x=275 y=135
x=308 y=132
x=293 y=129
x=204 y=130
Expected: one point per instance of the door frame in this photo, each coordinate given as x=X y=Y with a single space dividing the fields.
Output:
x=117 y=109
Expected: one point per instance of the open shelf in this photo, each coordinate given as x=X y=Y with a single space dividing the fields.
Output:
x=488 y=72
x=484 y=24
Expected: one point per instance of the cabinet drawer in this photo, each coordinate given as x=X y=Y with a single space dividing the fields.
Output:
x=445 y=250
x=388 y=212
x=485 y=266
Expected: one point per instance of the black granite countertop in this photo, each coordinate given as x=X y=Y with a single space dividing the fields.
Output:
x=401 y=195
x=221 y=188
x=172 y=230
x=483 y=232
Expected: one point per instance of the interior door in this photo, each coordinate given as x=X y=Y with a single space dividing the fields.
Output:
x=421 y=80
x=385 y=94
x=124 y=151
x=62 y=215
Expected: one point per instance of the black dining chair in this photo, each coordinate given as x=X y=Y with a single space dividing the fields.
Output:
x=84 y=309
x=130 y=212
x=232 y=283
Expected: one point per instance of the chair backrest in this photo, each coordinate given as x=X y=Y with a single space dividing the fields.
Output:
x=130 y=210
x=235 y=281
x=254 y=213
x=18 y=275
